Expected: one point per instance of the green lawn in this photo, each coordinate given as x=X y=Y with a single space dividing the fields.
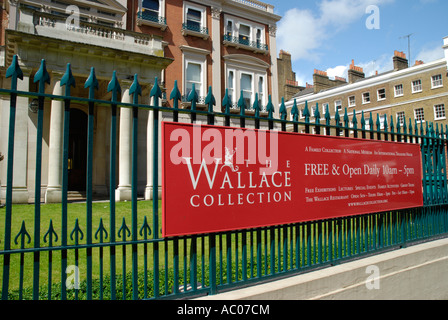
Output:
x=51 y=272
x=76 y=211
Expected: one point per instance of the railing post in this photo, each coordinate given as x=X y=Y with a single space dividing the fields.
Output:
x=210 y=101
x=156 y=93
x=212 y=264
x=114 y=87
x=176 y=97
x=68 y=81
x=295 y=115
x=92 y=84
x=283 y=114
x=337 y=120
x=327 y=121
x=317 y=119
x=270 y=110
x=306 y=114
x=355 y=124
x=242 y=107
x=14 y=72
x=226 y=104
x=256 y=108
x=193 y=98
x=135 y=90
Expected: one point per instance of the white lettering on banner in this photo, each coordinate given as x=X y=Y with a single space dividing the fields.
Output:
x=252 y=198
x=194 y=180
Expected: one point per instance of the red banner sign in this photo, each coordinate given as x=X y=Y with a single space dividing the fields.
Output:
x=220 y=179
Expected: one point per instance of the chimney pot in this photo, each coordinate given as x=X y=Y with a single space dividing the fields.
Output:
x=400 y=61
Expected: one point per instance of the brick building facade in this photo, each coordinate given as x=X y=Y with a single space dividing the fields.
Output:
x=419 y=92
x=218 y=44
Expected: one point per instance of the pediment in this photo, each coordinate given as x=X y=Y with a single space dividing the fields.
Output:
x=246 y=60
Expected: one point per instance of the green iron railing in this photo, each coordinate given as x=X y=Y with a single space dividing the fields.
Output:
x=37 y=265
x=150 y=16
x=246 y=42
x=195 y=28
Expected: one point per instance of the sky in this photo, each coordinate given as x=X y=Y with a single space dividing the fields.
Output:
x=327 y=34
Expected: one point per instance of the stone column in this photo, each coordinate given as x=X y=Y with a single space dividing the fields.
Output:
x=54 y=188
x=124 y=190
x=216 y=56
x=150 y=158
x=20 y=171
x=274 y=69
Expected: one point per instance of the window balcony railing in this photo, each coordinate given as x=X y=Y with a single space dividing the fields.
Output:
x=248 y=107
x=151 y=19
x=187 y=104
x=195 y=30
x=243 y=43
x=50 y=25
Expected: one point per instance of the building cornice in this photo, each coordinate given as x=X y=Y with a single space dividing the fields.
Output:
x=394 y=105
x=32 y=48
x=243 y=10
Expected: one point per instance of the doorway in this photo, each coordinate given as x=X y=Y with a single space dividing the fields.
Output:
x=77 y=152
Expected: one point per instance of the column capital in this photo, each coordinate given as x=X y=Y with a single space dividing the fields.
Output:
x=125 y=84
x=273 y=30
x=216 y=12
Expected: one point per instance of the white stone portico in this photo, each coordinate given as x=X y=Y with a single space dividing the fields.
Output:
x=35 y=35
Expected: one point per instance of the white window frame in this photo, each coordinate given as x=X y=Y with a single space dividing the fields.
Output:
x=367 y=124
x=350 y=104
x=232 y=94
x=401 y=116
x=435 y=112
x=312 y=111
x=261 y=97
x=160 y=14
x=396 y=92
x=378 y=94
x=436 y=83
x=364 y=101
x=336 y=103
x=417 y=88
x=249 y=35
x=200 y=83
x=416 y=111
x=258 y=41
x=189 y=5
x=226 y=25
x=253 y=27
x=241 y=67
x=382 y=122
x=194 y=56
x=324 y=107
x=252 y=80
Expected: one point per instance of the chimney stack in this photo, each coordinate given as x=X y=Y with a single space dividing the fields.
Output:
x=418 y=62
x=355 y=73
x=400 y=61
